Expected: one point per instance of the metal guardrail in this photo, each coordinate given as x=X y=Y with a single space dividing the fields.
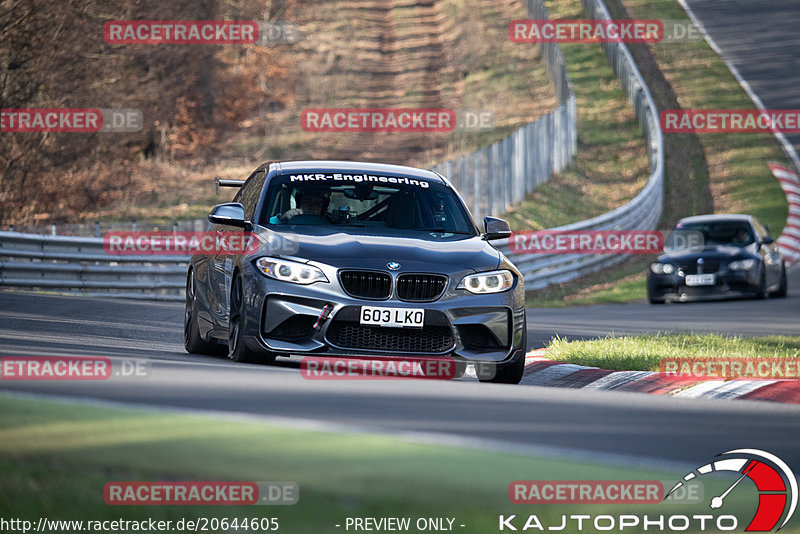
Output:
x=81 y=263
x=641 y=213
x=61 y=262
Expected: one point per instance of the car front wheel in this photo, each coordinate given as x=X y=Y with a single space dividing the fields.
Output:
x=783 y=288
x=238 y=350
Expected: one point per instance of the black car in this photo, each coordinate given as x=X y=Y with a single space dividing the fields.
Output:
x=709 y=256
x=358 y=260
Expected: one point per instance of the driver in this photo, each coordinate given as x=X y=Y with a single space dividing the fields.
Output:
x=742 y=236
x=310 y=204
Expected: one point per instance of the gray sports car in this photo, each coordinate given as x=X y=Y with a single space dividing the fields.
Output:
x=357 y=260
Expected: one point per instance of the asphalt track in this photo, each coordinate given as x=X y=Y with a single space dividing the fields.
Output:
x=615 y=423
x=760 y=38
x=611 y=423
x=734 y=317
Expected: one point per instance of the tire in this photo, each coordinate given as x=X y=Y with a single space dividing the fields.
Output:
x=238 y=350
x=192 y=341
x=505 y=373
x=761 y=290
x=783 y=288
x=461 y=368
x=654 y=300
x=502 y=373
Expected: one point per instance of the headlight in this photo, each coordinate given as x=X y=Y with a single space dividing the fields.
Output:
x=492 y=282
x=662 y=268
x=290 y=271
x=742 y=265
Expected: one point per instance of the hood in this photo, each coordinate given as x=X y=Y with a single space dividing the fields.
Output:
x=420 y=252
x=710 y=252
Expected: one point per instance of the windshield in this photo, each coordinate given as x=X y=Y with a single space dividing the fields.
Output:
x=380 y=204
x=733 y=233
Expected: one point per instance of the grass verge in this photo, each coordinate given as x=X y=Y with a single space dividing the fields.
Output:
x=645 y=352
x=56 y=457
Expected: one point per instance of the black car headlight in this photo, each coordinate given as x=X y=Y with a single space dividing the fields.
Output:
x=742 y=265
x=662 y=268
x=491 y=282
x=290 y=271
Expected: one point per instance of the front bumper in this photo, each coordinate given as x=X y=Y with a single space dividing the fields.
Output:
x=321 y=319
x=727 y=284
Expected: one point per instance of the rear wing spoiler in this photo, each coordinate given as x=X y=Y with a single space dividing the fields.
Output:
x=220 y=182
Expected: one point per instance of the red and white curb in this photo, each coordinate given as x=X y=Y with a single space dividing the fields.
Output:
x=789 y=240
x=540 y=371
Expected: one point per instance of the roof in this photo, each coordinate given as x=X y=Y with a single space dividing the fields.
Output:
x=717 y=217
x=353 y=166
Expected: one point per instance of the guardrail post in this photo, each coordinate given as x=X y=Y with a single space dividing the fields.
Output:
x=476 y=183
x=491 y=179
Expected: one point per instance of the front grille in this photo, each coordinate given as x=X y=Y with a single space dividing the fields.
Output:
x=420 y=287
x=366 y=284
x=346 y=331
x=352 y=335
x=709 y=267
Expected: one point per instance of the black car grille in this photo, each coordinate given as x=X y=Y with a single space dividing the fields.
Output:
x=352 y=335
x=708 y=267
x=366 y=284
x=420 y=287
x=346 y=331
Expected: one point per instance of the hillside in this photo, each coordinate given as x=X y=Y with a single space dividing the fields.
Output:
x=221 y=109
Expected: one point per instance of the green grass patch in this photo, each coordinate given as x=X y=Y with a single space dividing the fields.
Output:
x=55 y=459
x=625 y=283
x=626 y=290
x=645 y=352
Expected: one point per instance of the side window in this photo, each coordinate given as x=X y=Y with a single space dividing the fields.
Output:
x=250 y=191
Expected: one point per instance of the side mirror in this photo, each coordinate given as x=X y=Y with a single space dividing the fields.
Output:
x=767 y=241
x=496 y=229
x=230 y=214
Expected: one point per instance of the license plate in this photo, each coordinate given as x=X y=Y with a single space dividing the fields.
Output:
x=701 y=279
x=393 y=317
